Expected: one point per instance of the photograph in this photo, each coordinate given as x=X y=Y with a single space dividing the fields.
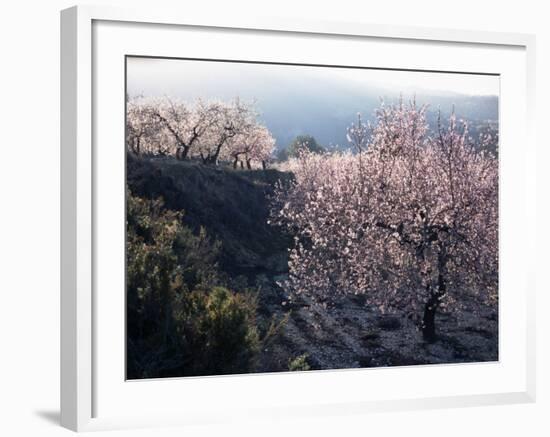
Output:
x=285 y=217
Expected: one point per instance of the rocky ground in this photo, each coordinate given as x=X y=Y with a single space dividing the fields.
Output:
x=350 y=335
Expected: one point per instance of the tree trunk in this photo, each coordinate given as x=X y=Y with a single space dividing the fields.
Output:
x=248 y=166
x=214 y=158
x=182 y=152
x=235 y=161
x=242 y=165
x=264 y=165
x=428 y=321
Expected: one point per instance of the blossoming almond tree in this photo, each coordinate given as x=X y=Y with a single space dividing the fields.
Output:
x=184 y=125
x=264 y=147
x=142 y=129
x=410 y=219
x=228 y=121
x=254 y=144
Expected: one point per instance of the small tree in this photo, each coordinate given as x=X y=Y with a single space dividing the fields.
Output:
x=281 y=154
x=142 y=130
x=184 y=126
x=304 y=142
x=254 y=144
x=411 y=221
x=229 y=120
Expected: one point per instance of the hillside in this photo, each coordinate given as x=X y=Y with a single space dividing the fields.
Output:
x=230 y=204
x=233 y=207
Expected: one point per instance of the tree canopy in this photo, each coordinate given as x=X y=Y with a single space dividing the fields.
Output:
x=410 y=219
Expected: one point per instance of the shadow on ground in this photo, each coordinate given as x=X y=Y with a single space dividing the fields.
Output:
x=51 y=416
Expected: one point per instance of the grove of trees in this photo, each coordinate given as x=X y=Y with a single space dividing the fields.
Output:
x=409 y=217
x=211 y=131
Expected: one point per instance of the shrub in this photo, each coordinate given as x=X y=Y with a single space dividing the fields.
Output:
x=179 y=320
x=219 y=332
x=299 y=364
x=304 y=142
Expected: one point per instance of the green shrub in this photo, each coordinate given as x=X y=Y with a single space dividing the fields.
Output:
x=219 y=332
x=306 y=142
x=299 y=364
x=179 y=320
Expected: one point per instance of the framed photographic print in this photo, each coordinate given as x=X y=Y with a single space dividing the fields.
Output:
x=279 y=218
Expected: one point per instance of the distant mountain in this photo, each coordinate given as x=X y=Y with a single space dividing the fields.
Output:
x=310 y=100
x=326 y=117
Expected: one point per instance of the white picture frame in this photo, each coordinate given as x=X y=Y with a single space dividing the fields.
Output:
x=86 y=375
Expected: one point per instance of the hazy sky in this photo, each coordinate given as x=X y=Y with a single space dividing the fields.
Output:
x=207 y=79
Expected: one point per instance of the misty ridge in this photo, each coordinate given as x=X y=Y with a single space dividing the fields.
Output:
x=308 y=115
x=314 y=103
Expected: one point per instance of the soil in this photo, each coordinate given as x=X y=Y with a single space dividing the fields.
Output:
x=349 y=334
